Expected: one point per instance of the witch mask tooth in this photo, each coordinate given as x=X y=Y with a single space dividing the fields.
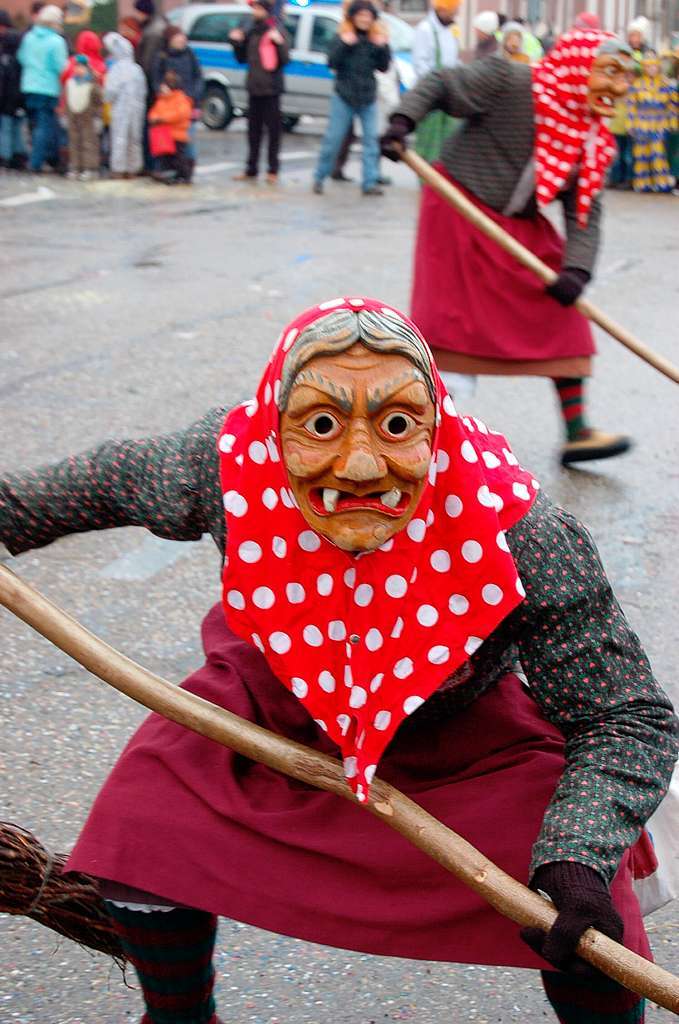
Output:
x=330 y=496
x=391 y=498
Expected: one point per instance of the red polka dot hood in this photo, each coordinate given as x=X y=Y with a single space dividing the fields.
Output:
x=363 y=640
x=570 y=139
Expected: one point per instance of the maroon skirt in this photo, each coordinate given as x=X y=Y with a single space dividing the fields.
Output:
x=189 y=820
x=472 y=298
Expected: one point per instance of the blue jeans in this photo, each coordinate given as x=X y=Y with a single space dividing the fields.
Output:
x=11 y=136
x=42 y=115
x=621 y=168
x=341 y=118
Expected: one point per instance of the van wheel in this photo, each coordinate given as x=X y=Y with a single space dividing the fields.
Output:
x=217 y=107
x=290 y=122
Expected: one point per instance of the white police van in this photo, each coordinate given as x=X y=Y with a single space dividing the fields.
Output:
x=308 y=79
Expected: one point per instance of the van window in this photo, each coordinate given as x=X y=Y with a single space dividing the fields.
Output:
x=322 y=34
x=215 y=28
x=290 y=23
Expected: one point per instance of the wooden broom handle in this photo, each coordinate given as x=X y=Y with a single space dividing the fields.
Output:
x=454 y=853
x=488 y=226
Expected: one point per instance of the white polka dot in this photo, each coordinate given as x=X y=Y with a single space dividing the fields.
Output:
x=376 y=682
x=492 y=594
x=363 y=595
x=388 y=545
x=453 y=506
x=257 y=641
x=276 y=391
x=309 y=541
x=489 y=499
x=321 y=724
x=521 y=491
x=313 y=636
x=382 y=720
x=432 y=472
x=299 y=687
x=472 y=551
x=257 y=452
x=344 y=721
x=430 y=517
x=472 y=644
x=442 y=461
x=468 y=452
x=272 y=449
x=331 y=304
x=279 y=546
x=350 y=768
x=287 y=497
x=373 y=639
x=337 y=630
x=326 y=681
x=280 y=642
x=289 y=338
x=411 y=704
x=350 y=578
x=480 y=425
x=416 y=529
x=403 y=668
x=427 y=615
x=439 y=654
x=491 y=460
x=263 y=597
x=356 y=302
x=348 y=676
x=235 y=599
x=358 y=697
x=295 y=593
x=235 y=503
x=369 y=773
x=449 y=406
x=502 y=541
x=520 y=589
x=249 y=551
x=395 y=586
x=398 y=628
x=458 y=604
x=440 y=560
x=251 y=407
x=269 y=498
x=535 y=484
x=324 y=584
x=267 y=394
x=226 y=443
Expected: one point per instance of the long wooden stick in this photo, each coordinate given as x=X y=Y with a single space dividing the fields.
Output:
x=504 y=893
x=488 y=226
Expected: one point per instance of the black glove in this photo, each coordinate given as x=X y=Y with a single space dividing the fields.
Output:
x=582 y=898
x=568 y=285
x=394 y=139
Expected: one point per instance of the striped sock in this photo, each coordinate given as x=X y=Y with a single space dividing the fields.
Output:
x=571 y=395
x=585 y=1000
x=172 y=954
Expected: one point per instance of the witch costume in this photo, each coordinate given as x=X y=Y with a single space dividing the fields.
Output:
x=476 y=658
x=529 y=138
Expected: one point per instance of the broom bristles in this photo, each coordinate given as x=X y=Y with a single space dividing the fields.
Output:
x=33 y=884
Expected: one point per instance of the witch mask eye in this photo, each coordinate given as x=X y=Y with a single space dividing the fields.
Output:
x=397 y=425
x=323 y=425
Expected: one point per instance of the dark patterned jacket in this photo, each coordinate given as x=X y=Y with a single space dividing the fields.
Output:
x=491 y=152
x=569 y=638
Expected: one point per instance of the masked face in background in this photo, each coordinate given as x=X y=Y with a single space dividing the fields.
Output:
x=357 y=440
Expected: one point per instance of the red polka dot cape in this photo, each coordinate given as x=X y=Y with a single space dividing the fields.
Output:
x=569 y=137
x=363 y=640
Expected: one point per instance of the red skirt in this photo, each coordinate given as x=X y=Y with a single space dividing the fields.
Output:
x=472 y=298
x=187 y=819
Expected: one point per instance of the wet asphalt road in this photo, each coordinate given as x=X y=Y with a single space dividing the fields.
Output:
x=130 y=308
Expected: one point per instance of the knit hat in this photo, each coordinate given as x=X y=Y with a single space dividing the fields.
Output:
x=587 y=19
x=5 y=19
x=145 y=7
x=640 y=25
x=50 y=15
x=486 y=22
x=356 y=6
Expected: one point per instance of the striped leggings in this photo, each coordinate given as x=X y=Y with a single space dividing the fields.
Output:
x=172 y=955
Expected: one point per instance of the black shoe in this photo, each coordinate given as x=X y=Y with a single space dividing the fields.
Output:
x=594 y=444
x=374 y=190
x=383 y=180
x=340 y=176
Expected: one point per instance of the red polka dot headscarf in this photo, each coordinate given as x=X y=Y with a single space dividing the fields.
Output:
x=570 y=139
x=363 y=640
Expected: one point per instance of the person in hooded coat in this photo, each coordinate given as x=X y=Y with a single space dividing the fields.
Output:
x=89 y=45
x=126 y=92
